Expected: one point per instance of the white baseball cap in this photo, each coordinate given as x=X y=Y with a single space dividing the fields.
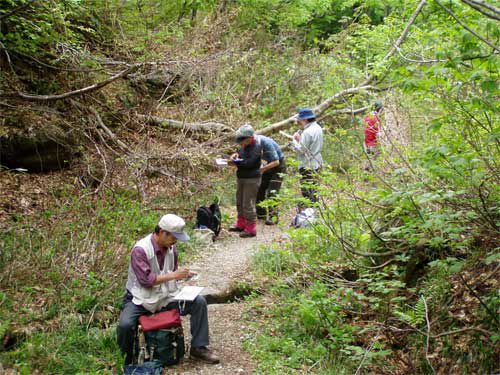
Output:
x=174 y=225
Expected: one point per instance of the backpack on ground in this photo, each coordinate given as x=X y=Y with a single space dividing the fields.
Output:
x=209 y=218
x=166 y=345
x=304 y=218
x=163 y=337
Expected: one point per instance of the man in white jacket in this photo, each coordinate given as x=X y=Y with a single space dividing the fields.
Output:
x=308 y=144
x=152 y=283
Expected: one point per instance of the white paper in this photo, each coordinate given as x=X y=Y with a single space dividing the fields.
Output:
x=220 y=161
x=188 y=293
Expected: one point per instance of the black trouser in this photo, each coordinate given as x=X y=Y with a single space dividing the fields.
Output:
x=129 y=317
x=270 y=187
x=308 y=182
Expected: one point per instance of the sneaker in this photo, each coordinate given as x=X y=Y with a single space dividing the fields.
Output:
x=204 y=354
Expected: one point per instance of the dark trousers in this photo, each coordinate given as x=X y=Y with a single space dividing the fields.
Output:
x=129 y=317
x=269 y=188
x=308 y=182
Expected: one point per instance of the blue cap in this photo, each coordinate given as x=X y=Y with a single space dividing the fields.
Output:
x=306 y=114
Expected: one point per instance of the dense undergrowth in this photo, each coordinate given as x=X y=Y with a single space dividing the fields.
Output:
x=400 y=274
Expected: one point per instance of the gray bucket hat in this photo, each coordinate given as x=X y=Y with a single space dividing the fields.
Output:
x=245 y=131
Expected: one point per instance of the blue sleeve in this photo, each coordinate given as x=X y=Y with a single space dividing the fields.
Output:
x=269 y=153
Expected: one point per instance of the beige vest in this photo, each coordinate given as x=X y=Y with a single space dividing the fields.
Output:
x=158 y=296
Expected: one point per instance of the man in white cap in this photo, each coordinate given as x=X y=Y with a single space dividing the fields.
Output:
x=152 y=282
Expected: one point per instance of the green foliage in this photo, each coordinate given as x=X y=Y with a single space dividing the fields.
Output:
x=431 y=207
x=33 y=27
x=313 y=20
x=426 y=215
x=70 y=350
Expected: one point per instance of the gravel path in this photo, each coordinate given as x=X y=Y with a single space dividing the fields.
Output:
x=221 y=265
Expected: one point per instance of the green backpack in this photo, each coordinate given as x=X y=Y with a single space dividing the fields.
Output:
x=166 y=345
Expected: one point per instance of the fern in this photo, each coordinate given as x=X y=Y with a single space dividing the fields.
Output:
x=414 y=316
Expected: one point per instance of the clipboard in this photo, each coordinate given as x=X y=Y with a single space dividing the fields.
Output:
x=188 y=293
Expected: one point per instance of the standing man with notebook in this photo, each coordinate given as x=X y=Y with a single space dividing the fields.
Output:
x=152 y=284
x=248 y=176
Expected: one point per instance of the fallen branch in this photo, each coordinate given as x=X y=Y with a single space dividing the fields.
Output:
x=209 y=126
x=143 y=159
x=108 y=131
x=320 y=108
x=345 y=111
x=81 y=91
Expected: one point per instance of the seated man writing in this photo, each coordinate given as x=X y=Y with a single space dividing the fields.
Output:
x=152 y=283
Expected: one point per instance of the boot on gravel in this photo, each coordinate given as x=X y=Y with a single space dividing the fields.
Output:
x=250 y=230
x=240 y=225
x=204 y=354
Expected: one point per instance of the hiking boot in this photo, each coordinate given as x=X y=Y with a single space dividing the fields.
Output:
x=250 y=230
x=204 y=354
x=247 y=235
x=271 y=222
x=240 y=225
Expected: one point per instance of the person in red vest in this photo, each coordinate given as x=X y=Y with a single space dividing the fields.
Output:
x=372 y=129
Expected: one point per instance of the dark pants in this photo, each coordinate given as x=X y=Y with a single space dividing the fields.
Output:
x=308 y=182
x=269 y=188
x=246 y=195
x=127 y=327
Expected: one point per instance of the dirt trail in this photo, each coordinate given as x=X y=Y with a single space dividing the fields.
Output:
x=220 y=266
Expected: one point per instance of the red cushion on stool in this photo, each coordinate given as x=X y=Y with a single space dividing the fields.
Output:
x=163 y=320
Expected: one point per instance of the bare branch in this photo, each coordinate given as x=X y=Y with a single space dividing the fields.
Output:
x=208 y=126
x=346 y=111
x=484 y=40
x=53 y=67
x=82 y=91
x=367 y=351
x=319 y=109
x=492 y=314
x=403 y=35
x=108 y=131
x=6 y=52
x=428 y=334
x=486 y=6
x=481 y=10
x=455 y=331
x=421 y=61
